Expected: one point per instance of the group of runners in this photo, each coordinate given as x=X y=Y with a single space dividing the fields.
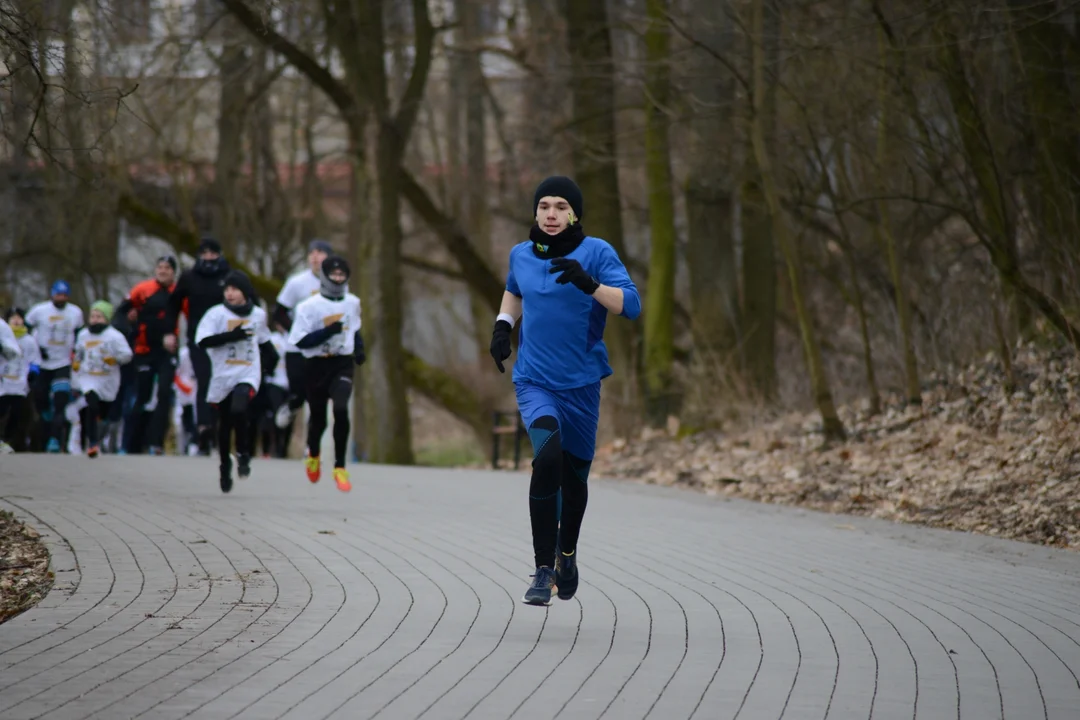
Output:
x=561 y=285
x=112 y=380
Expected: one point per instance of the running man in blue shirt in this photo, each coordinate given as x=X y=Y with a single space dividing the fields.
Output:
x=561 y=285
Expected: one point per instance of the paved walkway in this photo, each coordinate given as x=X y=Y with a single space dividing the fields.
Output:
x=401 y=600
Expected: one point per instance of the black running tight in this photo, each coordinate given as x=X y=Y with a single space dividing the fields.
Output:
x=233 y=417
x=96 y=410
x=554 y=469
x=339 y=393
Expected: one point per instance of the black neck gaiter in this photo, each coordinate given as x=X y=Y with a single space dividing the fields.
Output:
x=553 y=246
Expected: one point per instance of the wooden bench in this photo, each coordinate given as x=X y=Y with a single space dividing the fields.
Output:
x=501 y=427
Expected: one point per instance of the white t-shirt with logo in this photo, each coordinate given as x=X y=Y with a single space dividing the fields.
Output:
x=14 y=372
x=297 y=289
x=54 y=330
x=318 y=312
x=237 y=362
x=280 y=376
x=100 y=357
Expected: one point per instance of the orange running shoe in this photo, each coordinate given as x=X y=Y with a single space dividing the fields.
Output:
x=313 y=467
x=93 y=451
x=341 y=477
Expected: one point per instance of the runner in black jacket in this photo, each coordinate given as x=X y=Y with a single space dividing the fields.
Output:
x=202 y=287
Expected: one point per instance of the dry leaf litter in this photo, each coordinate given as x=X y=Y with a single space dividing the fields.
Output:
x=25 y=577
x=974 y=457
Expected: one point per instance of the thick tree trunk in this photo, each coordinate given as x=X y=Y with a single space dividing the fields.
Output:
x=759 y=269
x=232 y=99
x=759 y=291
x=714 y=280
x=596 y=169
x=475 y=186
x=661 y=396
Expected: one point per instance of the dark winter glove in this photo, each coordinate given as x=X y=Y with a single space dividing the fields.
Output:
x=238 y=333
x=572 y=272
x=44 y=354
x=358 y=349
x=500 y=343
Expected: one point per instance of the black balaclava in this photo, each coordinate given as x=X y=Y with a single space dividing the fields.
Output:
x=241 y=282
x=553 y=246
x=209 y=267
x=330 y=289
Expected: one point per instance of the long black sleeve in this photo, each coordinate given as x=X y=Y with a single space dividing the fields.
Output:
x=281 y=317
x=318 y=337
x=236 y=335
x=268 y=357
x=176 y=300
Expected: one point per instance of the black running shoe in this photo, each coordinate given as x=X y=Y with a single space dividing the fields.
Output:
x=539 y=593
x=226 y=476
x=243 y=466
x=566 y=574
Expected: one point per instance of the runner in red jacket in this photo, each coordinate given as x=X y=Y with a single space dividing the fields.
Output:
x=147 y=306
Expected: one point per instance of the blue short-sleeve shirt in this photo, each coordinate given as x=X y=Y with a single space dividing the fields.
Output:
x=562 y=329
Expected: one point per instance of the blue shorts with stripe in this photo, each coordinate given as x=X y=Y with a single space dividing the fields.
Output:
x=577 y=410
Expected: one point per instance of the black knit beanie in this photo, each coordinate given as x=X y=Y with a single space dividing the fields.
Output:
x=560 y=186
x=240 y=281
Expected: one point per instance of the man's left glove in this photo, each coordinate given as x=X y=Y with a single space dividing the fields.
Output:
x=572 y=272
x=358 y=349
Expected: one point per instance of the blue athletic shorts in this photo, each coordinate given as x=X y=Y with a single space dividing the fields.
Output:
x=577 y=411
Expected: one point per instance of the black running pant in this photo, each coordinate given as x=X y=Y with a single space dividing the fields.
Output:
x=234 y=414
x=555 y=470
x=159 y=365
x=13 y=429
x=329 y=380
x=96 y=410
x=294 y=370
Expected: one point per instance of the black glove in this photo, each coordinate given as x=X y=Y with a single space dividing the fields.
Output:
x=572 y=272
x=44 y=354
x=358 y=349
x=334 y=328
x=500 y=343
x=238 y=333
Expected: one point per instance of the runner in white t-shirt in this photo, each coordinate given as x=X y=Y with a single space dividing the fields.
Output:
x=237 y=341
x=19 y=358
x=100 y=350
x=54 y=324
x=297 y=288
x=327 y=331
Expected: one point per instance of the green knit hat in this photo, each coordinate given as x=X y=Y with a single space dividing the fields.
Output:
x=105 y=307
